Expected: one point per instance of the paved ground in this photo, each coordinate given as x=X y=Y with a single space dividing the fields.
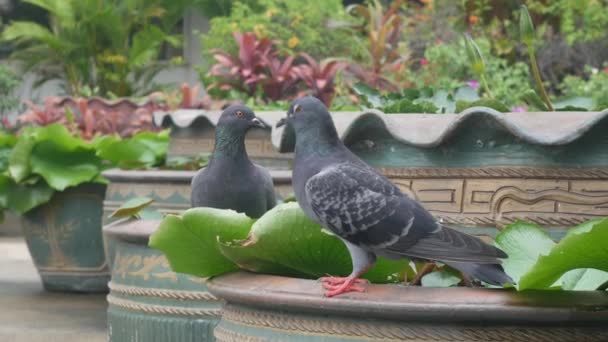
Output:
x=29 y=314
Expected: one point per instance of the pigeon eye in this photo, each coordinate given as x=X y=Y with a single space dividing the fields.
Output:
x=297 y=108
x=239 y=114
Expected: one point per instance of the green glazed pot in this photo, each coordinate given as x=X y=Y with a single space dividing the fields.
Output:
x=65 y=241
x=169 y=189
x=264 y=308
x=148 y=302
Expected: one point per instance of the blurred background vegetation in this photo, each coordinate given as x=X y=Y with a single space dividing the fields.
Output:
x=116 y=48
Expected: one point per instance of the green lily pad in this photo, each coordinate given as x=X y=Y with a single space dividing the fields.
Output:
x=190 y=241
x=440 y=279
x=20 y=198
x=529 y=248
x=286 y=242
x=583 y=247
x=132 y=207
x=19 y=161
x=144 y=149
x=524 y=243
x=61 y=167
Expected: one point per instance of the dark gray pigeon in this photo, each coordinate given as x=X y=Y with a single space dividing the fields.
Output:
x=369 y=213
x=231 y=180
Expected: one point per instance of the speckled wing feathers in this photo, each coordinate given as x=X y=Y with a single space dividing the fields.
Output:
x=349 y=199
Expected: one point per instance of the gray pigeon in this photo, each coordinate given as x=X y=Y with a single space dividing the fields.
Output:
x=369 y=213
x=231 y=180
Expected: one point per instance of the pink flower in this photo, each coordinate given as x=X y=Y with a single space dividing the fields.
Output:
x=473 y=84
x=519 y=109
x=424 y=62
x=606 y=70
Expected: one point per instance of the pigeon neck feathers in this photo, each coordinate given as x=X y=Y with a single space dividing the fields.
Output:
x=229 y=143
x=318 y=137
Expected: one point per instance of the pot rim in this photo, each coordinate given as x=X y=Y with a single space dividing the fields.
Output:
x=152 y=176
x=130 y=229
x=415 y=304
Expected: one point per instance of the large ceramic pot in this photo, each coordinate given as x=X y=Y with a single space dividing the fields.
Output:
x=170 y=189
x=193 y=132
x=148 y=302
x=482 y=169
x=265 y=308
x=65 y=241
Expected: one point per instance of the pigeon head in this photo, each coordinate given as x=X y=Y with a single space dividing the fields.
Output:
x=308 y=114
x=239 y=118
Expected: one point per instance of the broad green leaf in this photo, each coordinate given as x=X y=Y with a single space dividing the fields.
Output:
x=63 y=168
x=190 y=241
x=19 y=161
x=370 y=95
x=132 y=207
x=440 y=279
x=7 y=139
x=22 y=198
x=484 y=102
x=523 y=243
x=583 y=247
x=578 y=103
x=586 y=279
x=144 y=149
x=286 y=242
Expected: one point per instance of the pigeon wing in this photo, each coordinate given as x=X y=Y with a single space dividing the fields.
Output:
x=361 y=206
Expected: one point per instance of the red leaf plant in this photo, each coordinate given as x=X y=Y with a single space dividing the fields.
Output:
x=319 y=77
x=245 y=71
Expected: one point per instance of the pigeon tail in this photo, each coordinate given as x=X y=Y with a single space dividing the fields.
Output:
x=492 y=274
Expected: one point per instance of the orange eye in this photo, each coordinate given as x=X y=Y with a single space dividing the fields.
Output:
x=239 y=114
x=297 y=108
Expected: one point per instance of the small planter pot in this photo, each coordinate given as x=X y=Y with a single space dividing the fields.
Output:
x=169 y=189
x=270 y=308
x=147 y=301
x=65 y=241
x=193 y=132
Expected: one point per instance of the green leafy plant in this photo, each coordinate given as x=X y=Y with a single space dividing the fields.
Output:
x=579 y=261
x=383 y=45
x=208 y=242
x=593 y=86
x=108 y=47
x=8 y=83
x=46 y=159
x=293 y=29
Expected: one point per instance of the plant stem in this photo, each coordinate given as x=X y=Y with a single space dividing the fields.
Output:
x=539 y=81
x=485 y=85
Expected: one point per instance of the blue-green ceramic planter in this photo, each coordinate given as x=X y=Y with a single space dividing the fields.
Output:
x=65 y=241
x=264 y=308
x=147 y=301
x=169 y=189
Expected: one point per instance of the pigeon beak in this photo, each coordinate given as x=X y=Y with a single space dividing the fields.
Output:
x=281 y=122
x=256 y=122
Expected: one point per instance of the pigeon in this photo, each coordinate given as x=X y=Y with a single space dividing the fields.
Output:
x=230 y=180
x=369 y=213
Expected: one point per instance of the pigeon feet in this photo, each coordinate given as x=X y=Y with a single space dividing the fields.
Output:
x=339 y=285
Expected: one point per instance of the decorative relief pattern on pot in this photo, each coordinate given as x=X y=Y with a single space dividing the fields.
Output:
x=497 y=201
x=143 y=267
x=57 y=234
